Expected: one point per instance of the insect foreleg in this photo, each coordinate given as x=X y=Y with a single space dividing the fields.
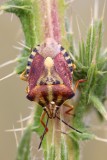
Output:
x=41 y=120
x=23 y=76
x=43 y=134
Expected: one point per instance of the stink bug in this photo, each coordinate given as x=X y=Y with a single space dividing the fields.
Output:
x=49 y=73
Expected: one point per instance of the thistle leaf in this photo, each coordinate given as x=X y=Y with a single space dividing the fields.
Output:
x=98 y=105
x=64 y=150
x=24 y=146
x=51 y=153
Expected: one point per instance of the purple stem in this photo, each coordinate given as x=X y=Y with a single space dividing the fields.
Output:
x=50 y=22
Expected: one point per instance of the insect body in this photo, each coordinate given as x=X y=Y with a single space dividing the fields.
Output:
x=49 y=74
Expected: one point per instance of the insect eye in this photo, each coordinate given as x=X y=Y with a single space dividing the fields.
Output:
x=41 y=83
x=57 y=82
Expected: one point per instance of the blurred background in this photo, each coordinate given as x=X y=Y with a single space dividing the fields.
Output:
x=13 y=102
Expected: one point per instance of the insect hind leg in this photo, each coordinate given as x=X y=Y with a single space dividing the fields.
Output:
x=78 y=82
x=41 y=120
x=71 y=107
x=45 y=125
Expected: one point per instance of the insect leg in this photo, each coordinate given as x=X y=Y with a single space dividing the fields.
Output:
x=43 y=134
x=27 y=89
x=77 y=83
x=23 y=76
x=41 y=120
x=70 y=108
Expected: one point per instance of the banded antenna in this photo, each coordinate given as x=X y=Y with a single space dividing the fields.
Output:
x=68 y=125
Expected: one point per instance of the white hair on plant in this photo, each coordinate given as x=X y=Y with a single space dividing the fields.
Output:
x=12 y=17
x=8 y=76
x=1 y=12
x=31 y=108
x=16 y=138
x=101 y=139
x=8 y=63
x=24 y=119
x=82 y=21
x=91 y=16
x=16 y=129
x=80 y=35
x=4 y=7
x=23 y=45
x=21 y=122
x=104 y=8
x=96 y=9
x=69 y=2
x=18 y=48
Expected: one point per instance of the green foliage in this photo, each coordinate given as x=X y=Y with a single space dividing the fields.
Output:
x=51 y=153
x=76 y=150
x=91 y=65
x=64 y=149
x=24 y=146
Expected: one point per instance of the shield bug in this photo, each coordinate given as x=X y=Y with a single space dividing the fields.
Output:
x=49 y=73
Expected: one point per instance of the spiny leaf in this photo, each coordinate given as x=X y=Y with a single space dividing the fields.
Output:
x=51 y=153
x=75 y=138
x=64 y=150
x=91 y=76
x=31 y=23
x=81 y=136
x=98 y=105
x=99 y=39
x=82 y=52
x=76 y=149
x=71 y=45
x=88 y=47
x=24 y=146
x=29 y=13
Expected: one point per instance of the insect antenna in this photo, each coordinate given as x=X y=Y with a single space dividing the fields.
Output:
x=68 y=125
x=42 y=137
